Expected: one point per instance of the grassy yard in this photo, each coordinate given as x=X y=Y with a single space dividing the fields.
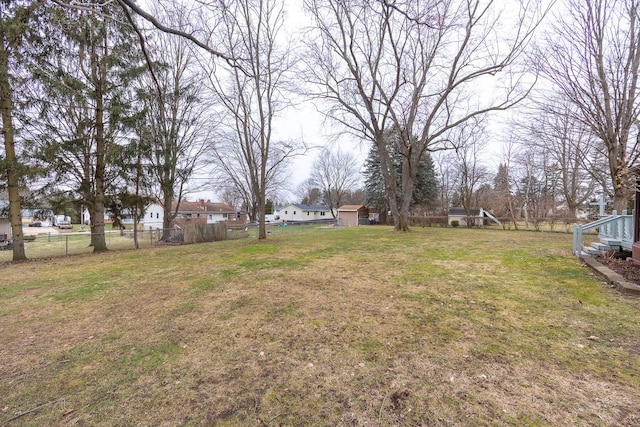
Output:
x=350 y=326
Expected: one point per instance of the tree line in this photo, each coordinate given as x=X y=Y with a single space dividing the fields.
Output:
x=109 y=104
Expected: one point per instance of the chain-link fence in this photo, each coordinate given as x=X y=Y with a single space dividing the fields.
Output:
x=51 y=244
x=56 y=244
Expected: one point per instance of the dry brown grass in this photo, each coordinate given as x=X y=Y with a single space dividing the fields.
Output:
x=338 y=327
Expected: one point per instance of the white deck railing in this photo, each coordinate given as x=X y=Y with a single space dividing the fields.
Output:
x=615 y=229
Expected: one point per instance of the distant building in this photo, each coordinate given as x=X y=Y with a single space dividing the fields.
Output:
x=475 y=216
x=204 y=212
x=299 y=213
x=353 y=215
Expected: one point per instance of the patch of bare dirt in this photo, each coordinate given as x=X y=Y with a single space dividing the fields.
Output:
x=621 y=263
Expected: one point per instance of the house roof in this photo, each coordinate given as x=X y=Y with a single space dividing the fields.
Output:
x=463 y=212
x=351 y=208
x=201 y=206
x=305 y=208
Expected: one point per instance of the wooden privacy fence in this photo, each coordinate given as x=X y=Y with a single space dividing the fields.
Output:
x=200 y=233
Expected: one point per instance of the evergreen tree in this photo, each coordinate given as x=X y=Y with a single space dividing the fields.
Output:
x=374 y=184
x=86 y=74
x=425 y=191
x=425 y=187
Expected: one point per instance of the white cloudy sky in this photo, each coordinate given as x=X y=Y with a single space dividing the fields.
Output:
x=304 y=122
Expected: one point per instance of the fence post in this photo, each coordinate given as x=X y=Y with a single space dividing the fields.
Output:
x=614 y=226
x=577 y=240
x=66 y=245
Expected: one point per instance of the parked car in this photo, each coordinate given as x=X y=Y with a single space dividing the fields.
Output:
x=65 y=225
x=35 y=224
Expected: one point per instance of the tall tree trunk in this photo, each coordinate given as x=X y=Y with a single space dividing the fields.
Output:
x=137 y=204
x=622 y=191
x=97 y=222
x=167 y=199
x=11 y=161
x=262 y=227
x=261 y=191
x=512 y=211
x=391 y=189
x=620 y=198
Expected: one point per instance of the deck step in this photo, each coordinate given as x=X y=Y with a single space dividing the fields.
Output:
x=602 y=247
x=610 y=241
x=591 y=250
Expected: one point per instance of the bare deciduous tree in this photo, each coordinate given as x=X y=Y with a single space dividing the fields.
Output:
x=447 y=174
x=336 y=174
x=503 y=181
x=413 y=68
x=551 y=129
x=252 y=95
x=177 y=123
x=308 y=193
x=593 y=58
x=472 y=172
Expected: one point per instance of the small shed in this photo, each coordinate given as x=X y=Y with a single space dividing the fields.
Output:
x=350 y=215
x=477 y=216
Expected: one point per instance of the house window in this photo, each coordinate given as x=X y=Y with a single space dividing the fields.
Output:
x=210 y=217
x=157 y=215
x=224 y=216
x=321 y=213
x=286 y=212
x=308 y=213
x=294 y=212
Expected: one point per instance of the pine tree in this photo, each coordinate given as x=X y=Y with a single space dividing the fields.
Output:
x=425 y=187
x=88 y=66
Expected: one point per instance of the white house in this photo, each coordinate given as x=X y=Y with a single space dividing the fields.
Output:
x=300 y=212
x=153 y=216
x=208 y=212
x=85 y=217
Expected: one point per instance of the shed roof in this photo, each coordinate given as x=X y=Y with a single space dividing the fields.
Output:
x=463 y=211
x=351 y=208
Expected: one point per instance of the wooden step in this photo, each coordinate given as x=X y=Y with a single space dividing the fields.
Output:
x=610 y=241
x=591 y=250
x=602 y=247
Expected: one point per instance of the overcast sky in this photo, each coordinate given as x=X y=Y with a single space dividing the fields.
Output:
x=304 y=122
